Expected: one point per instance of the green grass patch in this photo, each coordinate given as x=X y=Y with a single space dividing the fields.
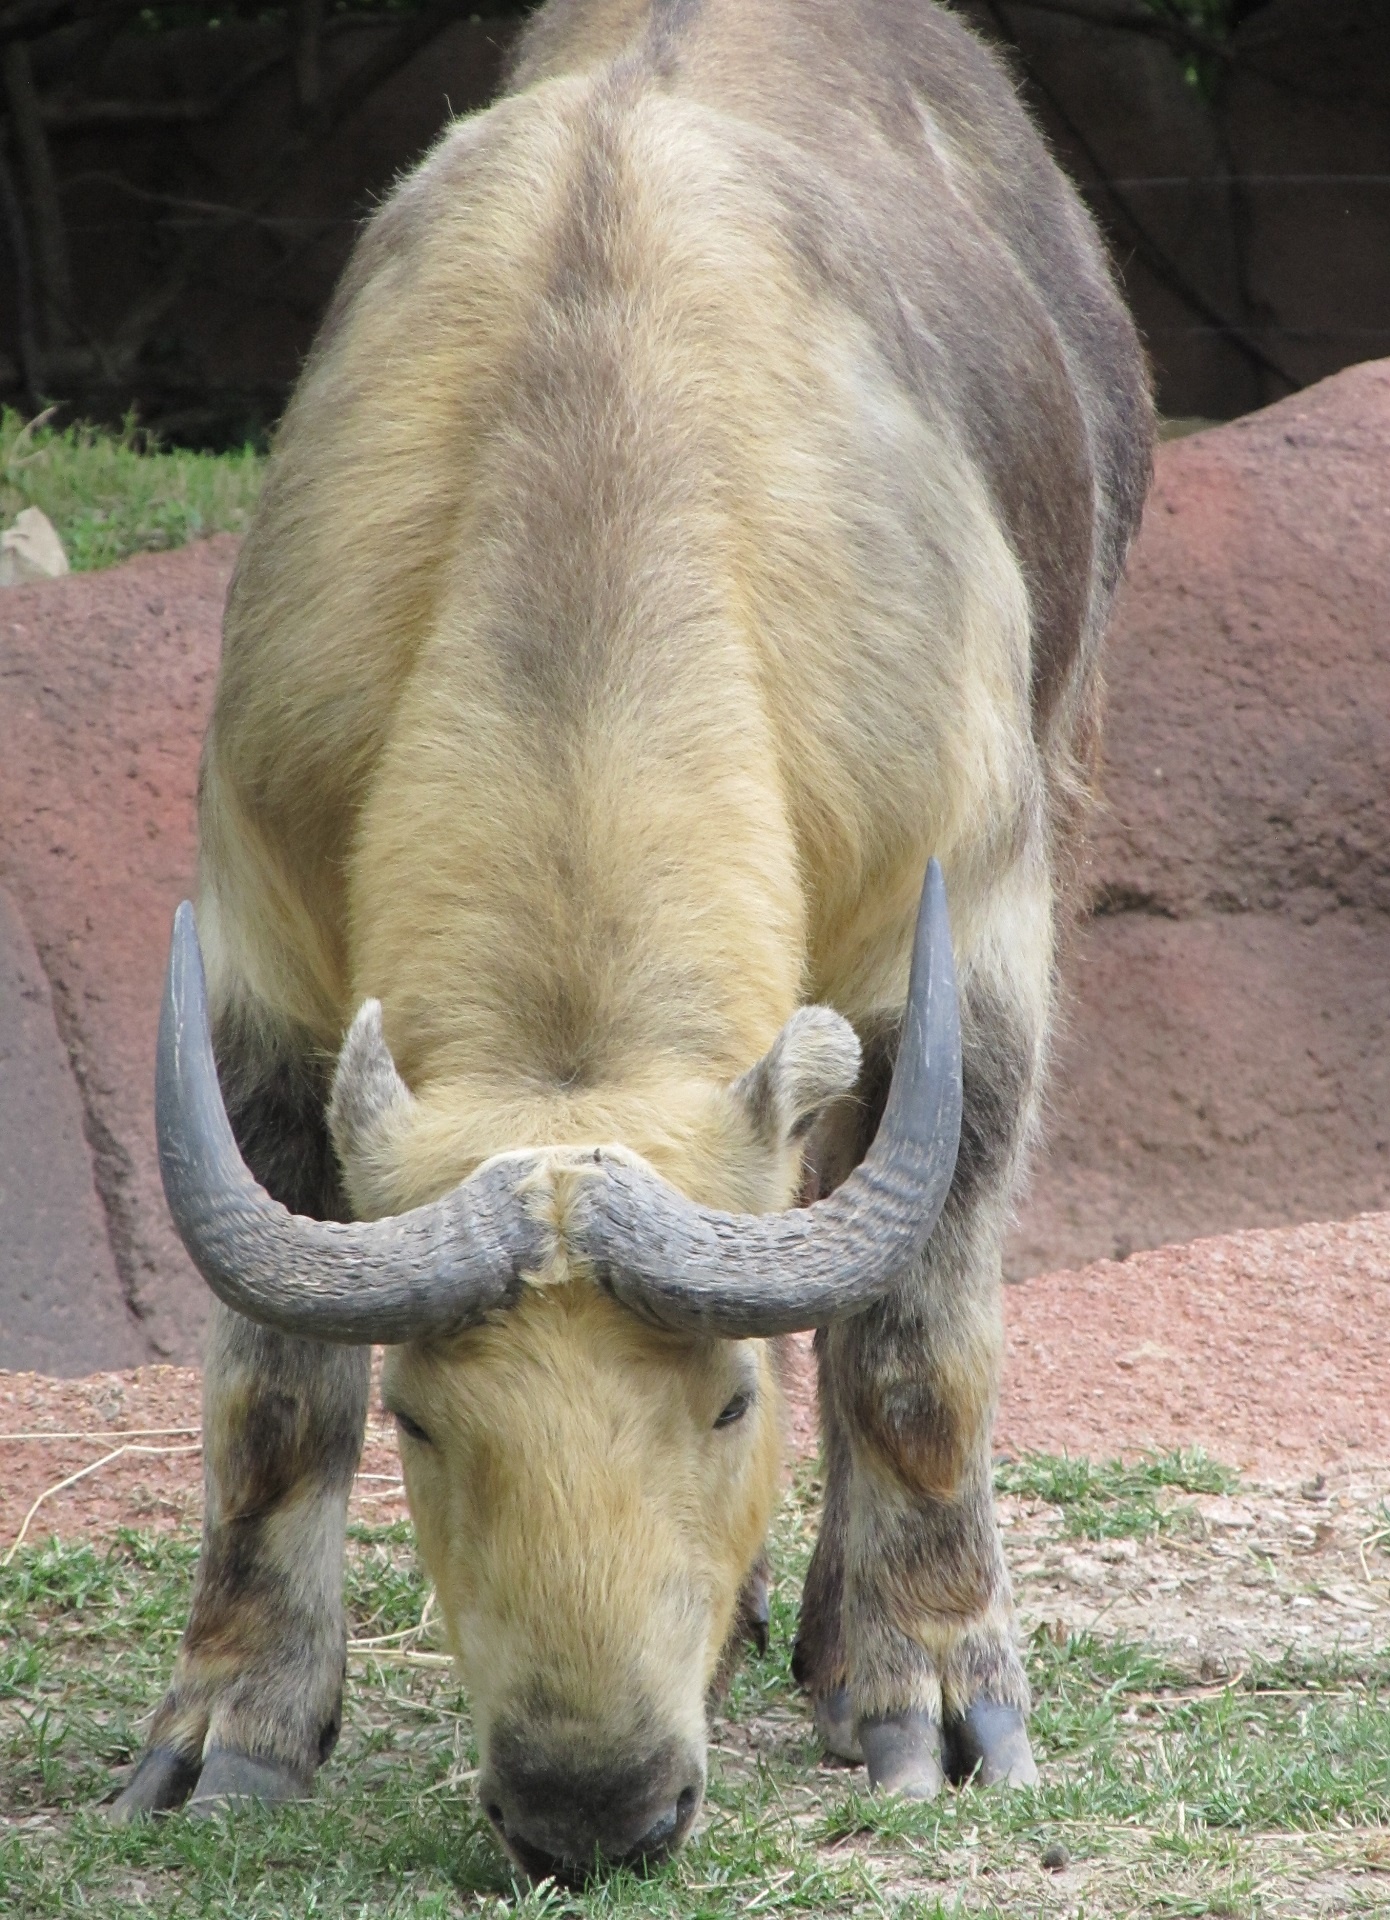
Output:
x=1112 y=1499
x=1168 y=1798
x=114 y=494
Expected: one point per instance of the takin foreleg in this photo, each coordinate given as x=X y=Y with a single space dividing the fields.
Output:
x=905 y=1641
x=256 y=1700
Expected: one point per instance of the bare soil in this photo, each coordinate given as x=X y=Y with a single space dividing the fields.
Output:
x=134 y=1437
x=1298 y=1564
x=1271 y=1349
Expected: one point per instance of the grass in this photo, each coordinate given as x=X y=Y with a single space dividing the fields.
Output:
x=1169 y=1799
x=114 y=494
x=1113 y=1500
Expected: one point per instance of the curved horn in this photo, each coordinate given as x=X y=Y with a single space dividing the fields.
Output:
x=431 y=1271
x=745 y=1275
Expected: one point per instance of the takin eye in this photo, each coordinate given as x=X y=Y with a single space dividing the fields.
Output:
x=735 y=1410
x=411 y=1428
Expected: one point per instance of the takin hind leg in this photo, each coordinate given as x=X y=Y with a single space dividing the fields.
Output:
x=905 y=1641
x=255 y=1703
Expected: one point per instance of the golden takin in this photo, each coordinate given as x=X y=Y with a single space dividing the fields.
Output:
x=696 y=523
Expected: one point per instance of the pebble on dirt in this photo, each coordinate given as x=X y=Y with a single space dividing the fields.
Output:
x=31 y=550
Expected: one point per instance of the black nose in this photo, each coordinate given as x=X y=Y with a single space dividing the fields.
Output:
x=571 y=1822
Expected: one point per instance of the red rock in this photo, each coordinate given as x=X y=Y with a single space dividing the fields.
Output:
x=1248 y=724
x=105 y=683
x=61 y=1306
x=1226 y=1055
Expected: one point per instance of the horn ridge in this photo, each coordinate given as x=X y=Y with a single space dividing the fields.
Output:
x=745 y=1275
x=442 y=1267
x=433 y=1270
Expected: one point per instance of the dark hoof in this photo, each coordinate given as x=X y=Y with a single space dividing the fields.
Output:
x=989 y=1745
x=835 y=1726
x=163 y=1779
x=229 y=1778
x=903 y=1755
x=754 y=1611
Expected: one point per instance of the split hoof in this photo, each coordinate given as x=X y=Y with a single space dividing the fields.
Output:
x=903 y=1755
x=834 y=1720
x=163 y=1779
x=230 y=1779
x=989 y=1744
x=755 y=1611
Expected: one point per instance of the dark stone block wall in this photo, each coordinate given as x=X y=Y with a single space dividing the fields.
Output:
x=209 y=208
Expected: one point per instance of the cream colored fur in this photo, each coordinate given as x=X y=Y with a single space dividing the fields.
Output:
x=590 y=1562
x=617 y=640
x=818 y=678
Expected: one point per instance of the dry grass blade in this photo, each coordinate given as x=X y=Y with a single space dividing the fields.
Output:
x=121 y=1433
x=1176 y=1695
x=401 y=1657
x=1371 y=1540
x=398 y=1648
x=71 y=1480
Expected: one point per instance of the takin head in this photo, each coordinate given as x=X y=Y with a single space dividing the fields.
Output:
x=590 y=1496
x=588 y=1403
x=591 y=1492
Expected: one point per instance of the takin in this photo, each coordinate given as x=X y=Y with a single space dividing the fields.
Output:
x=697 y=521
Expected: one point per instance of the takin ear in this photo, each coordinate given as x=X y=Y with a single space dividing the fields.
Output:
x=368 y=1096
x=813 y=1060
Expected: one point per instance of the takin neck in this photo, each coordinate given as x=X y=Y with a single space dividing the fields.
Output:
x=594 y=951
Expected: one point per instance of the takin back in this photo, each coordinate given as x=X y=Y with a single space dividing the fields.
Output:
x=697 y=521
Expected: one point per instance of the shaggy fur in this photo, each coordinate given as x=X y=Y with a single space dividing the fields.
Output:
x=703 y=505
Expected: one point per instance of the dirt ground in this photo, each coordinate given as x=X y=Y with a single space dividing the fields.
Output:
x=1283 y=1564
